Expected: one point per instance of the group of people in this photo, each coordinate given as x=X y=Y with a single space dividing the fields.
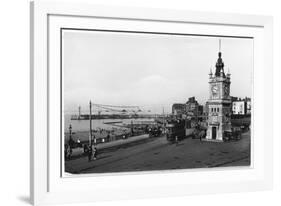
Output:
x=100 y=132
x=67 y=152
x=92 y=152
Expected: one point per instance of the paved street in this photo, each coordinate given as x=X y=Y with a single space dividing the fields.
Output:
x=158 y=154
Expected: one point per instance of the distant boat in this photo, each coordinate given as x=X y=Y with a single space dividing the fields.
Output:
x=113 y=122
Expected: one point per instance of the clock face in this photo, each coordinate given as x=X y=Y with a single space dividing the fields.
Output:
x=215 y=90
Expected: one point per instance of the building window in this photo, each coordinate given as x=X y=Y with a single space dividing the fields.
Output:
x=218 y=109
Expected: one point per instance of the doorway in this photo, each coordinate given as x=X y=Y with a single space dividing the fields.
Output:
x=214 y=132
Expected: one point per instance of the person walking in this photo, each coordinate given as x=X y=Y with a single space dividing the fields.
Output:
x=95 y=153
x=69 y=152
x=177 y=140
x=65 y=151
x=90 y=153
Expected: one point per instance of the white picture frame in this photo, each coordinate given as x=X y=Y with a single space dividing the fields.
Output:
x=47 y=183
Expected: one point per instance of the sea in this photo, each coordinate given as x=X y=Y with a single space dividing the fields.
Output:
x=84 y=125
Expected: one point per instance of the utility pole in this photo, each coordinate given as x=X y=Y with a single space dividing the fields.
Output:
x=132 y=128
x=70 y=132
x=163 y=121
x=197 y=113
x=90 y=118
x=79 y=112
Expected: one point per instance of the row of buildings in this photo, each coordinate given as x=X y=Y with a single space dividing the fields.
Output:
x=240 y=106
x=191 y=107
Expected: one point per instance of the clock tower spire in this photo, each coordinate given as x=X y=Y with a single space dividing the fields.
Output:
x=219 y=103
x=220 y=64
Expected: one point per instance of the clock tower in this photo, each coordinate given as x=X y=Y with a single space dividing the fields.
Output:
x=219 y=103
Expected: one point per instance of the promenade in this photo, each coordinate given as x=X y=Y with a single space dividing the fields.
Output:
x=114 y=145
x=158 y=154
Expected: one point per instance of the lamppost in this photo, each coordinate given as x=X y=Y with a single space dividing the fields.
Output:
x=164 y=129
x=132 y=128
x=90 y=118
x=70 y=131
x=79 y=112
x=70 y=135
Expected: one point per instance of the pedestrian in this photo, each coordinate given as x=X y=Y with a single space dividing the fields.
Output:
x=65 y=151
x=200 y=136
x=90 y=153
x=177 y=141
x=79 y=144
x=69 y=152
x=95 y=153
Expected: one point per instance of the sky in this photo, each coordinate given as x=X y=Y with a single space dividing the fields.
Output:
x=152 y=71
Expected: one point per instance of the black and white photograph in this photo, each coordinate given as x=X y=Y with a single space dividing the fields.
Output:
x=143 y=101
x=140 y=103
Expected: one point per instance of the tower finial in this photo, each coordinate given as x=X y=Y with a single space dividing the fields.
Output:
x=228 y=73
x=211 y=72
x=219 y=64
